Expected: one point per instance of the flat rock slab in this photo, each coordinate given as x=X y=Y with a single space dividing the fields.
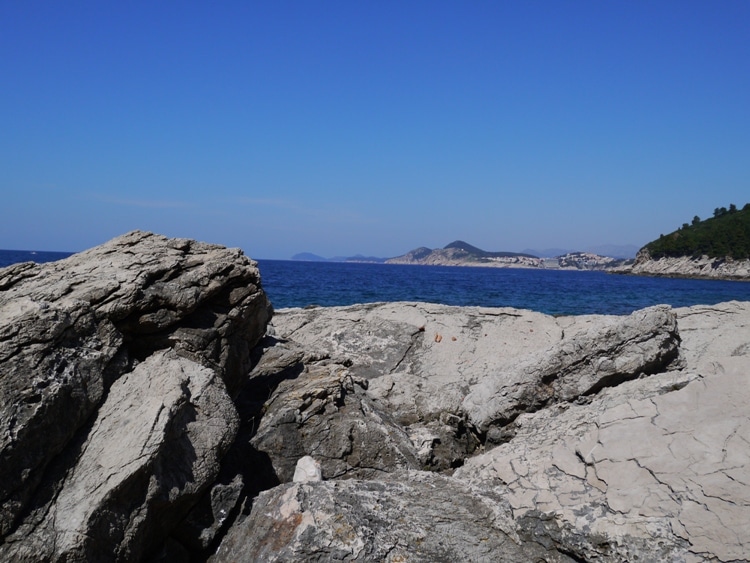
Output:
x=715 y=335
x=663 y=461
x=426 y=361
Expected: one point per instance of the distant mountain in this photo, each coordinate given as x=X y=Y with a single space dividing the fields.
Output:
x=473 y=251
x=461 y=253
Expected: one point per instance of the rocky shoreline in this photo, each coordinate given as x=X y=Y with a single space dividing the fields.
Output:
x=153 y=407
x=704 y=267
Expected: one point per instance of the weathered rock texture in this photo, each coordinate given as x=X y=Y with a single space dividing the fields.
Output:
x=688 y=267
x=148 y=411
x=115 y=366
x=591 y=438
x=417 y=516
x=326 y=414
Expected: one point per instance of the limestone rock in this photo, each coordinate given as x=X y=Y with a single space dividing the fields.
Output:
x=688 y=267
x=715 y=336
x=325 y=413
x=420 y=358
x=434 y=368
x=421 y=517
x=307 y=470
x=608 y=351
x=171 y=420
x=73 y=333
x=654 y=469
x=608 y=466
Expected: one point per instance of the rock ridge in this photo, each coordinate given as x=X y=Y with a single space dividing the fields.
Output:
x=703 y=267
x=74 y=335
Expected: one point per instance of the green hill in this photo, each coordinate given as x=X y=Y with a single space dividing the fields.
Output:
x=726 y=234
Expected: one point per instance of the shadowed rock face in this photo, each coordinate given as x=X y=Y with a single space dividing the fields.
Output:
x=148 y=411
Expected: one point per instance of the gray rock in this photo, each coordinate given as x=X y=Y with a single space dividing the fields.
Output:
x=688 y=267
x=715 y=336
x=324 y=413
x=422 y=517
x=433 y=367
x=605 y=352
x=421 y=359
x=654 y=469
x=170 y=420
x=69 y=332
x=608 y=465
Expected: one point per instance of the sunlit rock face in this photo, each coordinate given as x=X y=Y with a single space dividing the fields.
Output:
x=688 y=267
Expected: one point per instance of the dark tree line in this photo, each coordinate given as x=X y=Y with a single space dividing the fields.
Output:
x=726 y=234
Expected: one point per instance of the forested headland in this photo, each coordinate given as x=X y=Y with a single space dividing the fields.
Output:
x=726 y=234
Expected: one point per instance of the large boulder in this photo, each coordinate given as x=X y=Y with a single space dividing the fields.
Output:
x=415 y=516
x=456 y=376
x=653 y=470
x=605 y=351
x=117 y=367
x=325 y=413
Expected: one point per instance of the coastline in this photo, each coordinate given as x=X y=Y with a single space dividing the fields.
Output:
x=687 y=267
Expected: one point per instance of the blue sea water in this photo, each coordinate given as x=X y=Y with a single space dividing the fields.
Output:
x=298 y=284
x=8 y=257
x=555 y=292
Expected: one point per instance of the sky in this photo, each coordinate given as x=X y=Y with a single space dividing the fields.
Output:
x=370 y=127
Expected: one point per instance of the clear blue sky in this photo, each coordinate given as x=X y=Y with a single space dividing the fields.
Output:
x=370 y=127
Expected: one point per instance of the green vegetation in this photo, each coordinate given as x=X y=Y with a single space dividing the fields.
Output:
x=726 y=234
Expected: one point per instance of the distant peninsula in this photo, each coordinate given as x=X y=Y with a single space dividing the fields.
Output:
x=461 y=253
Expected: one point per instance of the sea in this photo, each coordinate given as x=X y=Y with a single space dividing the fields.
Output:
x=555 y=292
